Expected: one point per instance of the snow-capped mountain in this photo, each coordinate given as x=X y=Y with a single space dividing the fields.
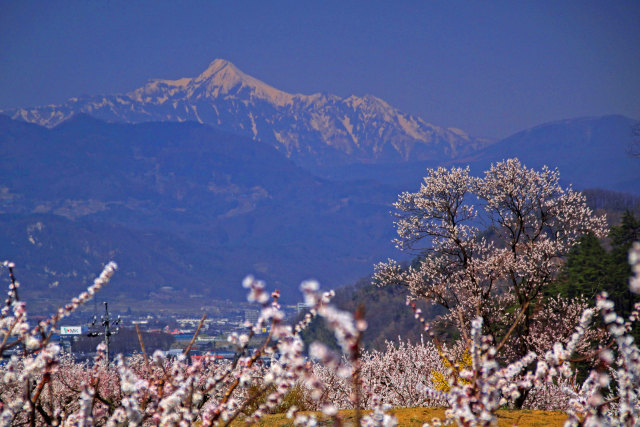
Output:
x=312 y=129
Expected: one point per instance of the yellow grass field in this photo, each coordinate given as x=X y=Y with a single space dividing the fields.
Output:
x=418 y=416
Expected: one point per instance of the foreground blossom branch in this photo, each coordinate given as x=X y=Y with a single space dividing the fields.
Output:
x=34 y=372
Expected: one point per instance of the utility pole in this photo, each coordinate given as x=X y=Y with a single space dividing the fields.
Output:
x=107 y=323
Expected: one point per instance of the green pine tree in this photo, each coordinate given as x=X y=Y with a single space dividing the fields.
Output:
x=586 y=271
x=622 y=237
x=591 y=269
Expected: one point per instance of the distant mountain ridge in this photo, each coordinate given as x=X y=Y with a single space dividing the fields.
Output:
x=206 y=206
x=316 y=129
x=589 y=152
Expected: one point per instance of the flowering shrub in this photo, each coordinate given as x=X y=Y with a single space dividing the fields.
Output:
x=440 y=379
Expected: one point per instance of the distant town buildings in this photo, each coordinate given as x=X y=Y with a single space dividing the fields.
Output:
x=223 y=318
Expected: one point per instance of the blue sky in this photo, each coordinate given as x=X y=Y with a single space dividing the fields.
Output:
x=490 y=68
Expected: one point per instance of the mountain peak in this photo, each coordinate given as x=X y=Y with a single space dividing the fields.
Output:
x=220 y=63
x=222 y=77
x=220 y=66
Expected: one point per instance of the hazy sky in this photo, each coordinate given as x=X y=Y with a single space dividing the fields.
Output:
x=491 y=68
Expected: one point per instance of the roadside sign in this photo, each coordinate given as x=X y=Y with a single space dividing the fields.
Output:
x=70 y=330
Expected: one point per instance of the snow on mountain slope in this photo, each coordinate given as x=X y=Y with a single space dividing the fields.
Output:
x=313 y=129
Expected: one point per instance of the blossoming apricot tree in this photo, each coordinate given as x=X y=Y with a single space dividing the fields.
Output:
x=531 y=223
